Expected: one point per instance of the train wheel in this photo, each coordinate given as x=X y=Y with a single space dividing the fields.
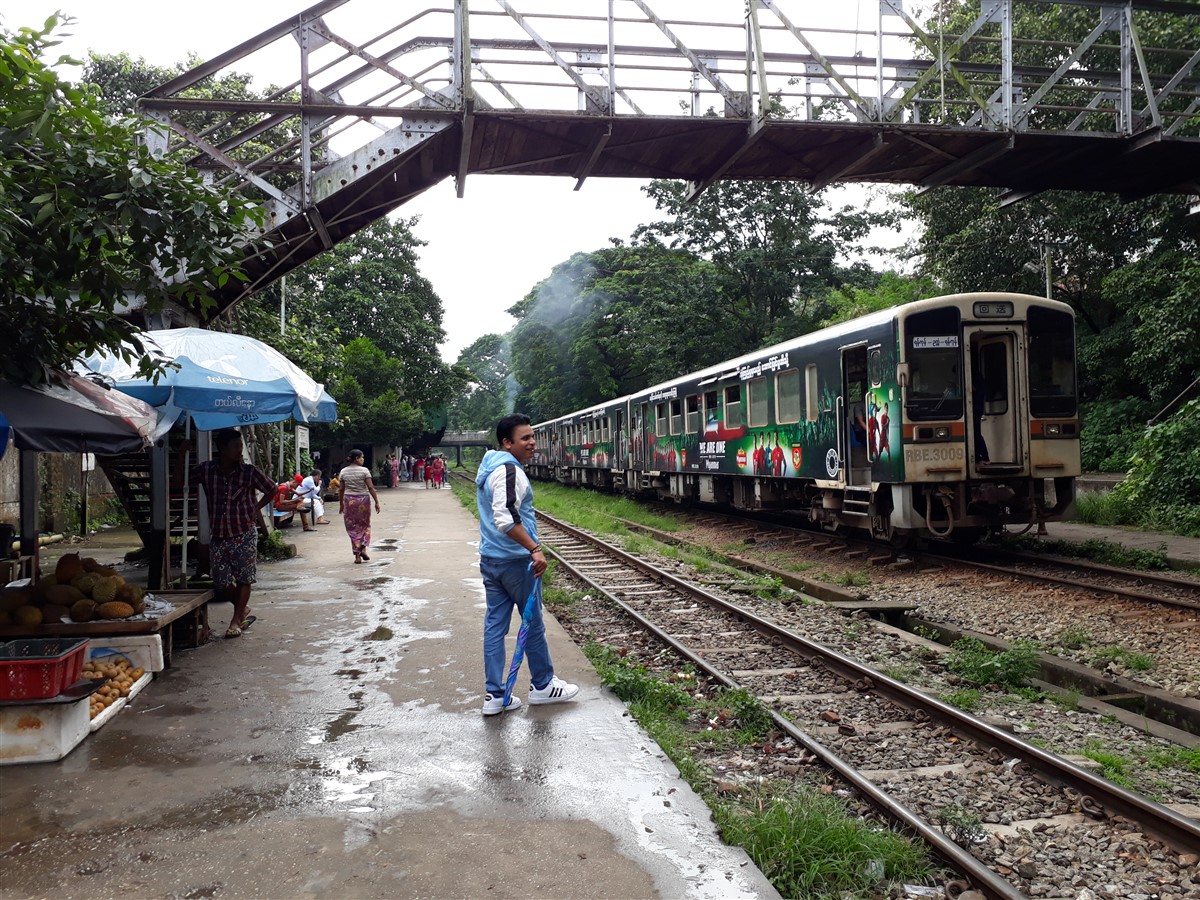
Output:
x=965 y=537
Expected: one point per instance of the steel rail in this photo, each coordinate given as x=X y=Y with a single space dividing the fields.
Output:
x=1096 y=793
x=978 y=874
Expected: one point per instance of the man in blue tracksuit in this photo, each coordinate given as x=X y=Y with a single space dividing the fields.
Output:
x=508 y=545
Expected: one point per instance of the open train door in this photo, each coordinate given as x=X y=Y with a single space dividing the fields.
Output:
x=852 y=429
x=995 y=437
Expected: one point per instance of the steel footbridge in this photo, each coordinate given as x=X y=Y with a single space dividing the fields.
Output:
x=379 y=102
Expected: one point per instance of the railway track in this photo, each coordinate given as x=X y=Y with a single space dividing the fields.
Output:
x=896 y=746
x=1134 y=585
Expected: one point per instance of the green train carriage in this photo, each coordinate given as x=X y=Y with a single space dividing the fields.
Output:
x=944 y=417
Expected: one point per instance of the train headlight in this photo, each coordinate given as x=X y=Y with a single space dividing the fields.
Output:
x=1054 y=429
x=942 y=432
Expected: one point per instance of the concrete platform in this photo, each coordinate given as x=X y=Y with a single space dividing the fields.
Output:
x=338 y=750
x=1182 y=552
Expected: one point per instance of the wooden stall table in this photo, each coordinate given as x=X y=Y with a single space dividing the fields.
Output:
x=185 y=626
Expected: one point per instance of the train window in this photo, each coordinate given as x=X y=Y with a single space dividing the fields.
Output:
x=758 y=400
x=993 y=378
x=787 y=397
x=733 y=406
x=660 y=420
x=1051 y=363
x=934 y=364
x=810 y=390
x=607 y=429
x=875 y=366
x=711 y=415
x=676 y=416
x=693 y=414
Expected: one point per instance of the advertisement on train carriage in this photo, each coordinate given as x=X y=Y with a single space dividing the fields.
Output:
x=715 y=428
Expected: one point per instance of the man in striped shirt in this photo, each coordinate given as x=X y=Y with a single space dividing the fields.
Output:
x=231 y=489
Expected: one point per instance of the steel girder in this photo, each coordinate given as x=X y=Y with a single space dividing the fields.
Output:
x=371 y=112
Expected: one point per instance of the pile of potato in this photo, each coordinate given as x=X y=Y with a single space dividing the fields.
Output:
x=80 y=590
x=120 y=675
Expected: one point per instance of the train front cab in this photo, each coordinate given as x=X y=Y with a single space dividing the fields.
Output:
x=990 y=430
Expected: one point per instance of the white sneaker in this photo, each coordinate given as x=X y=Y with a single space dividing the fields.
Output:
x=557 y=691
x=493 y=705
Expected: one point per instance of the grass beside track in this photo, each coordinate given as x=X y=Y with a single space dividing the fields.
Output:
x=808 y=842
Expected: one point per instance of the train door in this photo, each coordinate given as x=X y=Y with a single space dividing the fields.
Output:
x=644 y=448
x=852 y=430
x=617 y=436
x=994 y=438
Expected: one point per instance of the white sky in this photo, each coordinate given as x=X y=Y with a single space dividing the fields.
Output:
x=484 y=251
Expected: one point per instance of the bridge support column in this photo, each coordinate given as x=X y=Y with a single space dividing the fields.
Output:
x=458 y=457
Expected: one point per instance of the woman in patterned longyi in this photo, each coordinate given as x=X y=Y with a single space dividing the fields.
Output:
x=356 y=492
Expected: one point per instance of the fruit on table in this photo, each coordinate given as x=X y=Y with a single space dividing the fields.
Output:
x=27 y=615
x=114 y=609
x=120 y=676
x=74 y=581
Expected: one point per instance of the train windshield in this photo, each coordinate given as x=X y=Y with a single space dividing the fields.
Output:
x=934 y=365
x=1051 y=363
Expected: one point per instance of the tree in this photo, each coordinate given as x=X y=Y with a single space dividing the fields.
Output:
x=772 y=244
x=487 y=397
x=89 y=217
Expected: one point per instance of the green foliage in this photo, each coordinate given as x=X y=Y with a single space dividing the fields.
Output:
x=1074 y=638
x=971 y=660
x=809 y=845
x=636 y=686
x=1130 y=659
x=966 y=699
x=1099 y=549
x=1111 y=428
x=486 y=399
x=961 y=824
x=89 y=213
x=1113 y=766
x=1164 y=478
x=272 y=547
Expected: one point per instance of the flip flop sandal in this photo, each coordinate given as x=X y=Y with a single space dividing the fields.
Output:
x=233 y=632
x=248 y=621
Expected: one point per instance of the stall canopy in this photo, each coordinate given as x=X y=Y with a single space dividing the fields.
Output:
x=221 y=379
x=71 y=414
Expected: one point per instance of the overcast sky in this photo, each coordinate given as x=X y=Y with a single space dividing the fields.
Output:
x=484 y=251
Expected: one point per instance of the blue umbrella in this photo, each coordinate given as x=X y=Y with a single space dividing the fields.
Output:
x=220 y=379
x=532 y=603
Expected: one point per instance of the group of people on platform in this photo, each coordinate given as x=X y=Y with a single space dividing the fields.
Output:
x=511 y=558
x=404 y=468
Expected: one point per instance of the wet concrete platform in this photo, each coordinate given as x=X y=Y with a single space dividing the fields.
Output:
x=338 y=750
x=1181 y=552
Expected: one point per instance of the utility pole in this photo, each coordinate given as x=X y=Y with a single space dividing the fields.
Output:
x=282 y=332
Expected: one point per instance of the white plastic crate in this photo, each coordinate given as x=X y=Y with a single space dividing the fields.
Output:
x=143 y=650
x=41 y=732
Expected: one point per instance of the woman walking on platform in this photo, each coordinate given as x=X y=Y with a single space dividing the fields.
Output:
x=356 y=492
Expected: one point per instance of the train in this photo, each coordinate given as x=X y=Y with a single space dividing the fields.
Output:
x=943 y=418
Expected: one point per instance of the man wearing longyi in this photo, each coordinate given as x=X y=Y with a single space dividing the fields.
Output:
x=231 y=488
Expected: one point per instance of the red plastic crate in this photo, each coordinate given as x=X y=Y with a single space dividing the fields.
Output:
x=37 y=668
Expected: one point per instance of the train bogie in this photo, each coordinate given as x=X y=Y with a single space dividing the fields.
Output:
x=943 y=416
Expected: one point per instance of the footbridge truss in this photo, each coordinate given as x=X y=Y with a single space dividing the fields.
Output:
x=380 y=101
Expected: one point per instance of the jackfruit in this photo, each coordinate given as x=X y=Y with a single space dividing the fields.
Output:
x=114 y=610
x=68 y=567
x=63 y=595
x=139 y=604
x=106 y=572
x=44 y=584
x=85 y=582
x=105 y=590
x=89 y=564
x=83 y=610
x=52 y=612
x=13 y=597
x=28 y=615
